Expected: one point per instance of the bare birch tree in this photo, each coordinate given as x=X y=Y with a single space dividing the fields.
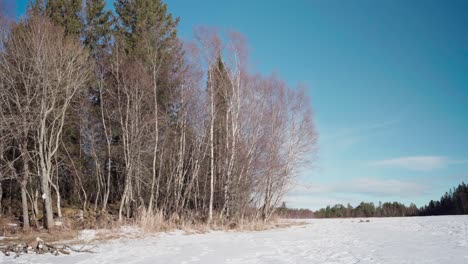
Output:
x=49 y=69
x=183 y=135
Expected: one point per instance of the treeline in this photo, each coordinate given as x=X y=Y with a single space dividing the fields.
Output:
x=293 y=213
x=112 y=113
x=368 y=210
x=454 y=202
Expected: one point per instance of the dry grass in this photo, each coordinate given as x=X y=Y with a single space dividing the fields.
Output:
x=156 y=223
x=108 y=228
x=47 y=236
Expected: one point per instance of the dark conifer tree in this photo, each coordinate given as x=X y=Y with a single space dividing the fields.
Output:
x=136 y=18
x=221 y=93
x=67 y=13
x=146 y=27
x=97 y=26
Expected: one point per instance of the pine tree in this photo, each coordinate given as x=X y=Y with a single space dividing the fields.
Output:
x=221 y=94
x=138 y=17
x=144 y=28
x=97 y=26
x=66 y=13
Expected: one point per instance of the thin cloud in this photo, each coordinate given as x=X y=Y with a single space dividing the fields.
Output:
x=371 y=186
x=353 y=191
x=419 y=163
x=359 y=130
x=386 y=187
x=316 y=202
x=345 y=138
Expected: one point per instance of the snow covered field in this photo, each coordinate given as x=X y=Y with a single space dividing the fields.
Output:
x=441 y=239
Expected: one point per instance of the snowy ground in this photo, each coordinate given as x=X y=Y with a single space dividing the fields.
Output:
x=385 y=240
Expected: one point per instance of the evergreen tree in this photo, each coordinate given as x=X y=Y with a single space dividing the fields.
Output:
x=452 y=203
x=148 y=33
x=97 y=26
x=66 y=13
x=137 y=17
x=219 y=83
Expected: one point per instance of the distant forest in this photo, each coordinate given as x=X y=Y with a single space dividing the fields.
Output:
x=454 y=202
x=293 y=213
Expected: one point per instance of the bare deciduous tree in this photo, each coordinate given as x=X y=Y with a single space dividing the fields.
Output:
x=46 y=70
x=160 y=132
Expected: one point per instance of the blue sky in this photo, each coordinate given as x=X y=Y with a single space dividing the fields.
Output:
x=388 y=81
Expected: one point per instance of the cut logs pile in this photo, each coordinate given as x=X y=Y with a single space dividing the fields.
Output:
x=39 y=246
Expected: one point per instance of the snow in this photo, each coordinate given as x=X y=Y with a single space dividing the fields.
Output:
x=87 y=235
x=442 y=239
x=90 y=235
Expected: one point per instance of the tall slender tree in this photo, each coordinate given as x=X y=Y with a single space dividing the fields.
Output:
x=96 y=35
x=67 y=13
x=137 y=17
x=46 y=69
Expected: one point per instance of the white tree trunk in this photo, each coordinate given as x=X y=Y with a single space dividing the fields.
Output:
x=212 y=164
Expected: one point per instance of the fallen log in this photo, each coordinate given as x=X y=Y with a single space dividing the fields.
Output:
x=38 y=246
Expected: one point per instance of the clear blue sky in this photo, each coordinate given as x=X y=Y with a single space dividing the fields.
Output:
x=388 y=82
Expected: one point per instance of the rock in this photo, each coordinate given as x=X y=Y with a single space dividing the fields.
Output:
x=35 y=242
x=45 y=247
x=40 y=242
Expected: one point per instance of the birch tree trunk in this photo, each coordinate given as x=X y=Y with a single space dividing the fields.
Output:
x=24 y=182
x=212 y=163
x=155 y=70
